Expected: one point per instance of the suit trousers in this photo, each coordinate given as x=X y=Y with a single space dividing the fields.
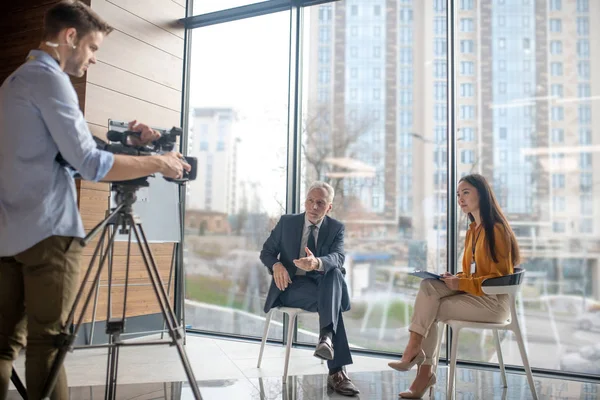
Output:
x=37 y=290
x=435 y=302
x=323 y=294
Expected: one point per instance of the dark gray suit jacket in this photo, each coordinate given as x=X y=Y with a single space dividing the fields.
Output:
x=283 y=245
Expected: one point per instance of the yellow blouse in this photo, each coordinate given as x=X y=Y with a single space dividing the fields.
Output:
x=485 y=266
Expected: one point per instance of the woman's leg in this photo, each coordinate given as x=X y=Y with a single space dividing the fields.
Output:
x=425 y=313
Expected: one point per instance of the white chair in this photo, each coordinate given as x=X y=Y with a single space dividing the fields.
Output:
x=292 y=313
x=510 y=285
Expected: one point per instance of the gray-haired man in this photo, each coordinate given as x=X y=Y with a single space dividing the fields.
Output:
x=305 y=255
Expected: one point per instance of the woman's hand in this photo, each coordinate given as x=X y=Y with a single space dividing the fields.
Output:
x=450 y=280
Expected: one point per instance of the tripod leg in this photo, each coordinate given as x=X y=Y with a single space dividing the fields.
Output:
x=112 y=370
x=18 y=384
x=95 y=307
x=162 y=334
x=163 y=300
x=126 y=277
x=66 y=338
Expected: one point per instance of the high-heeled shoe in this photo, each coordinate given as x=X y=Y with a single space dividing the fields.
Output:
x=407 y=365
x=410 y=394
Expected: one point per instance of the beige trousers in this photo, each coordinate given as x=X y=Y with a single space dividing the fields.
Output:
x=436 y=302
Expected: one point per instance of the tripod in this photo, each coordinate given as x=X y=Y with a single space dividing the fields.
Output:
x=120 y=216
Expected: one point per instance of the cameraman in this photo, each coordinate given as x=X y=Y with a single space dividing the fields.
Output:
x=39 y=217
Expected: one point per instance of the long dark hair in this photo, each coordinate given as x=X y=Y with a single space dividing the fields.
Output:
x=491 y=214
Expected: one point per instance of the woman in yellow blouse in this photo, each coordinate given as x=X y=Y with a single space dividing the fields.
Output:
x=491 y=250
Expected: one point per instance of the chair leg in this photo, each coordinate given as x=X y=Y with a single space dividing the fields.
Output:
x=500 y=358
x=452 y=369
x=288 y=346
x=441 y=330
x=264 y=338
x=523 y=351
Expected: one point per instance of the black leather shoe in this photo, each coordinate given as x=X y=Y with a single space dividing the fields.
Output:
x=342 y=384
x=324 y=349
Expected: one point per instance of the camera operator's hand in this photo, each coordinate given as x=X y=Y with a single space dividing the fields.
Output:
x=147 y=134
x=173 y=165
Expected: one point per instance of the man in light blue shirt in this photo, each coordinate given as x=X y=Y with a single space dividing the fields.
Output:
x=39 y=217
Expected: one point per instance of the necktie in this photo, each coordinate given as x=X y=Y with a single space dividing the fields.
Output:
x=311 y=240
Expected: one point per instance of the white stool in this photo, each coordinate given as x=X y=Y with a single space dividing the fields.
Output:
x=292 y=313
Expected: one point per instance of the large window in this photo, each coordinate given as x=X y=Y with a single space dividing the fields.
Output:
x=373 y=123
x=238 y=130
x=379 y=153
x=545 y=181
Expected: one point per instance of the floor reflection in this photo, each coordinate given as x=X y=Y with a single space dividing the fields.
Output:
x=470 y=384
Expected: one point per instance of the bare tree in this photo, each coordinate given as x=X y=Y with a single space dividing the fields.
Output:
x=324 y=144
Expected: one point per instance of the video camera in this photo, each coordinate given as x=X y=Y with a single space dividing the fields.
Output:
x=120 y=143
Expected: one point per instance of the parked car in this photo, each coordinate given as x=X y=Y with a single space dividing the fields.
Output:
x=589 y=320
x=586 y=360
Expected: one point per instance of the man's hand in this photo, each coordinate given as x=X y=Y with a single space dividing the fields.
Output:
x=147 y=134
x=450 y=280
x=173 y=164
x=308 y=263
x=281 y=276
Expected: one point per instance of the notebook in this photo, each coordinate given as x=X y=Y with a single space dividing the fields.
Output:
x=425 y=274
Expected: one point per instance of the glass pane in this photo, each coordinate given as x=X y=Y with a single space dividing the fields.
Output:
x=207 y=6
x=375 y=129
x=528 y=128
x=238 y=104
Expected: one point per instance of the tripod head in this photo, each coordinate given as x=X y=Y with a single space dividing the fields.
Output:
x=126 y=193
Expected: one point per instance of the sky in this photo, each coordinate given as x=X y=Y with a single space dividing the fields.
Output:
x=244 y=65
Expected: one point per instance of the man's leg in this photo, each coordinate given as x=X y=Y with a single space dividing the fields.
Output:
x=50 y=270
x=13 y=325
x=330 y=317
x=331 y=286
x=341 y=354
x=301 y=293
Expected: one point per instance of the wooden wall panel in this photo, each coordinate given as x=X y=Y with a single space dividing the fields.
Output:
x=130 y=54
x=103 y=104
x=121 y=81
x=164 y=14
x=138 y=76
x=180 y=3
x=139 y=28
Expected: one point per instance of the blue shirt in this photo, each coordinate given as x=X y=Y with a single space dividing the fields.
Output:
x=40 y=117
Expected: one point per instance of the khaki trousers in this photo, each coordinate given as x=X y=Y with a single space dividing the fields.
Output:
x=37 y=290
x=436 y=302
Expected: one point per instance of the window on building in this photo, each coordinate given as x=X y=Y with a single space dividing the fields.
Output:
x=467 y=156
x=467 y=46
x=502 y=132
x=466 y=4
x=557 y=113
x=467 y=24
x=556 y=90
x=555 y=25
x=583 y=48
x=585 y=136
x=558 y=181
x=556 y=69
x=558 y=136
x=583 y=26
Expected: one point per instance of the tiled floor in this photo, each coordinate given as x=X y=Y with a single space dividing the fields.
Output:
x=227 y=370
